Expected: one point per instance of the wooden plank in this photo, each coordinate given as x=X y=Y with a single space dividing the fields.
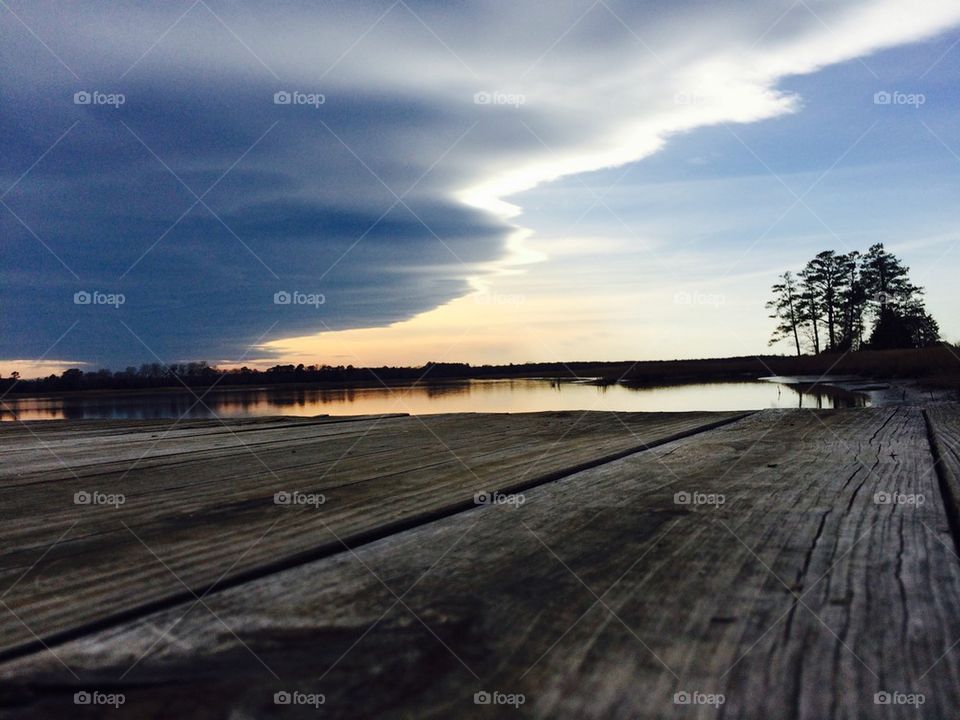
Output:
x=31 y=456
x=211 y=515
x=801 y=596
x=103 y=427
x=943 y=428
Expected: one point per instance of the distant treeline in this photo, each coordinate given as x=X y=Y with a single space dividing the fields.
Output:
x=201 y=374
x=843 y=302
x=938 y=365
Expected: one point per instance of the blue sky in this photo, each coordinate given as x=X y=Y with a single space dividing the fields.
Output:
x=433 y=226
x=714 y=205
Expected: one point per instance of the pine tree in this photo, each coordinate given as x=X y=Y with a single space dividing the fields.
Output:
x=885 y=279
x=826 y=278
x=853 y=301
x=786 y=308
x=811 y=309
x=839 y=293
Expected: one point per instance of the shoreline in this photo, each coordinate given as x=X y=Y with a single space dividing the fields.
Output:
x=882 y=378
x=880 y=392
x=935 y=367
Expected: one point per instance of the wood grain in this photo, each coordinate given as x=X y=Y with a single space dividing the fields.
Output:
x=815 y=585
x=203 y=501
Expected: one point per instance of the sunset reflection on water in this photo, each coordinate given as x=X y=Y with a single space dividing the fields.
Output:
x=490 y=396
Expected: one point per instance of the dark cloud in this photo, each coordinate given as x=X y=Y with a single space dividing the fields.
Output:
x=315 y=203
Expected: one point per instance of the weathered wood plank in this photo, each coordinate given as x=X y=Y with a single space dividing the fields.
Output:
x=73 y=428
x=943 y=427
x=210 y=512
x=801 y=596
x=32 y=457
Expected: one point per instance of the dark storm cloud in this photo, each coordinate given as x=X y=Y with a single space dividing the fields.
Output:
x=315 y=203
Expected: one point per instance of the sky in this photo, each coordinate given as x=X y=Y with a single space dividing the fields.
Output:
x=377 y=183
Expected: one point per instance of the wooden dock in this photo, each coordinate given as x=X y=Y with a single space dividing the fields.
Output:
x=777 y=564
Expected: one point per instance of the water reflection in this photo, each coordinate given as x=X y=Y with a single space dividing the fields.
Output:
x=524 y=395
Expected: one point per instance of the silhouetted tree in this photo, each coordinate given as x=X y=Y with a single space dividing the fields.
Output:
x=825 y=278
x=854 y=301
x=810 y=309
x=786 y=307
x=885 y=279
x=835 y=292
x=905 y=327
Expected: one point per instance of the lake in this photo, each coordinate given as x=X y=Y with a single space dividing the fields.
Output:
x=492 y=396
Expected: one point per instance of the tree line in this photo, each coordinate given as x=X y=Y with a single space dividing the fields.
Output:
x=201 y=374
x=841 y=302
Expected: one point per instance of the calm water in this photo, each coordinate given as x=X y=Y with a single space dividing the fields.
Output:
x=425 y=399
